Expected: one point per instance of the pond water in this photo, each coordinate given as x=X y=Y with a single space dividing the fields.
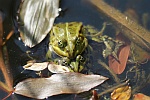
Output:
x=79 y=11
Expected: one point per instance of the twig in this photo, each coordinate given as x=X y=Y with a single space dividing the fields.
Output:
x=129 y=28
x=5 y=70
x=4 y=87
x=8 y=37
x=113 y=88
x=111 y=72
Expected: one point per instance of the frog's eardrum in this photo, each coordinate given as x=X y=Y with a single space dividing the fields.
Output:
x=37 y=17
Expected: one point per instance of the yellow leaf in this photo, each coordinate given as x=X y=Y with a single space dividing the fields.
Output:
x=122 y=93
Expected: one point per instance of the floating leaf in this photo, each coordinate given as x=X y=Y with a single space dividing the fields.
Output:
x=58 y=68
x=140 y=96
x=36 y=66
x=122 y=93
x=54 y=68
x=37 y=18
x=64 y=83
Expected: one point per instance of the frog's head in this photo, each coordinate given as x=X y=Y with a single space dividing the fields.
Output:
x=67 y=40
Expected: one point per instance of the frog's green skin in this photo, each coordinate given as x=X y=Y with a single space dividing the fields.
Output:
x=68 y=41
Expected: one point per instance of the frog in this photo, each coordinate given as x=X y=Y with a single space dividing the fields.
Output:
x=68 y=41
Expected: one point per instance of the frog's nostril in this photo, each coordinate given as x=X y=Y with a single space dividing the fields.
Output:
x=67 y=50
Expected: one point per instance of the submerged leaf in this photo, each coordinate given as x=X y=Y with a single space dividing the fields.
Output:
x=64 y=83
x=118 y=66
x=37 y=17
x=122 y=93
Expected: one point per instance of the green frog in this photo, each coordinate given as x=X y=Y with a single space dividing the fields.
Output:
x=68 y=41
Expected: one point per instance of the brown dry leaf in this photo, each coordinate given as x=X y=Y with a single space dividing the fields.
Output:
x=64 y=83
x=140 y=96
x=122 y=93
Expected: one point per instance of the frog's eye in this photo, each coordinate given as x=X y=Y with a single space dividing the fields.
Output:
x=80 y=58
x=62 y=43
x=79 y=40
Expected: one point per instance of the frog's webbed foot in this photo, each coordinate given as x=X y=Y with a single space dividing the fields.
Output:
x=112 y=47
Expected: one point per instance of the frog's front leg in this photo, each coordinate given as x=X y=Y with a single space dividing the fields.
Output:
x=79 y=63
x=111 y=47
x=76 y=65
